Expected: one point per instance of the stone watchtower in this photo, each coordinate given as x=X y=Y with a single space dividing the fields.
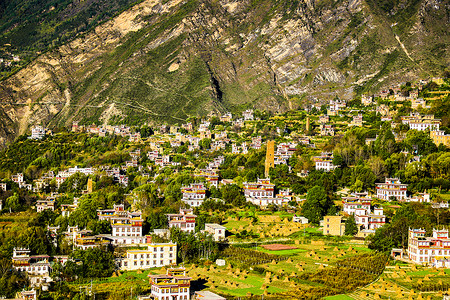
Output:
x=270 y=160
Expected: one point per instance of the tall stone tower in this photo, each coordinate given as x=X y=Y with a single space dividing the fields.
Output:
x=308 y=126
x=270 y=160
x=89 y=185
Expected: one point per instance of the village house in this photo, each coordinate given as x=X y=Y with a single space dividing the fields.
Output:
x=333 y=225
x=207 y=295
x=188 y=127
x=126 y=226
x=226 y=117
x=357 y=121
x=351 y=204
x=84 y=239
x=419 y=197
x=67 y=209
x=248 y=115
x=335 y=106
x=439 y=137
x=391 y=187
x=419 y=102
x=324 y=119
x=38 y=133
x=326 y=130
x=33 y=265
x=370 y=221
x=418 y=122
x=216 y=230
x=210 y=176
x=156 y=255
x=42 y=205
x=325 y=162
x=433 y=251
x=27 y=295
x=441 y=204
x=262 y=188
x=300 y=219
x=185 y=220
x=366 y=99
x=174 y=285
x=194 y=194
x=256 y=143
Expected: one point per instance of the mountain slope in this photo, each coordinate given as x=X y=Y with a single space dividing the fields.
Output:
x=166 y=61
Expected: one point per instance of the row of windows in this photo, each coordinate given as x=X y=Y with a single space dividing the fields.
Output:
x=148 y=255
x=194 y=196
x=146 y=263
x=168 y=297
x=123 y=234
x=128 y=230
x=435 y=252
x=32 y=269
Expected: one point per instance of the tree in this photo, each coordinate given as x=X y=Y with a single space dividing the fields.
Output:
x=350 y=226
x=316 y=205
x=96 y=262
x=13 y=203
x=232 y=194
x=385 y=143
x=395 y=234
x=419 y=142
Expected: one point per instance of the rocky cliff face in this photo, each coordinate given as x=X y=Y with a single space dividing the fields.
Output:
x=163 y=61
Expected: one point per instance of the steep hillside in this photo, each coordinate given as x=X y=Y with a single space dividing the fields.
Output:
x=164 y=61
x=30 y=27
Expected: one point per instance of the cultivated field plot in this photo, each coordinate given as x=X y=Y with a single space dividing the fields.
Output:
x=407 y=282
x=280 y=274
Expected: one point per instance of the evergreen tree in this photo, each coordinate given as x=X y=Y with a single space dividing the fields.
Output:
x=316 y=205
x=350 y=226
